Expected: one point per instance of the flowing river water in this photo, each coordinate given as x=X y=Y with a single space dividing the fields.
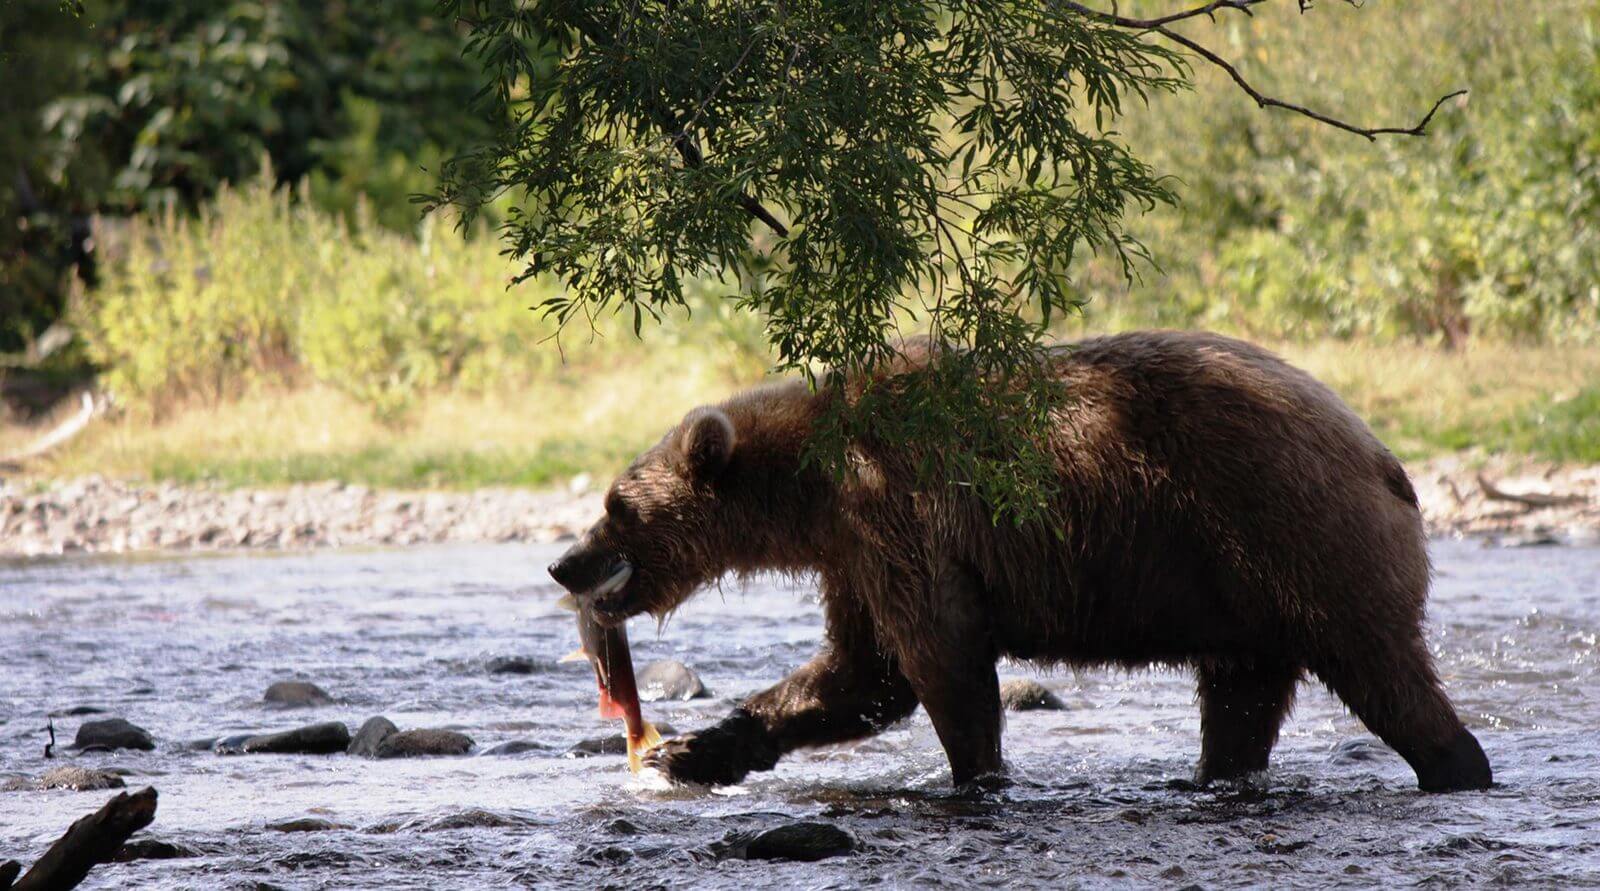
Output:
x=184 y=647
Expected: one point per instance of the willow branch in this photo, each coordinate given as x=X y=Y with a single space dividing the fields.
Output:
x=1159 y=26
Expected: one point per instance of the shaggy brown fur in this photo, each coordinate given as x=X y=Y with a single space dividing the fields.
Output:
x=1220 y=509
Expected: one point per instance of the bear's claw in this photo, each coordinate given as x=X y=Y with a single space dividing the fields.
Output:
x=720 y=755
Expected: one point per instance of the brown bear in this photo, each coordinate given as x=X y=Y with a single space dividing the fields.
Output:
x=1219 y=509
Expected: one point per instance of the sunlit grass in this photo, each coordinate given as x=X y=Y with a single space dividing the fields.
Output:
x=1490 y=398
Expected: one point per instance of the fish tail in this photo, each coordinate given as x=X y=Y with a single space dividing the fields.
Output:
x=577 y=655
x=647 y=739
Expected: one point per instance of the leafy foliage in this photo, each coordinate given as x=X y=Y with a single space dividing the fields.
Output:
x=1490 y=226
x=941 y=164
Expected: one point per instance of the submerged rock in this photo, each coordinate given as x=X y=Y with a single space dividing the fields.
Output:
x=152 y=849
x=415 y=743
x=306 y=824
x=807 y=841
x=511 y=665
x=516 y=747
x=1359 y=749
x=371 y=734
x=297 y=694
x=113 y=733
x=313 y=739
x=670 y=679
x=80 y=779
x=615 y=744
x=1026 y=695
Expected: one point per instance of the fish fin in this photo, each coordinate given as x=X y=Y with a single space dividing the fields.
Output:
x=567 y=601
x=610 y=708
x=648 y=739
x=577 y=655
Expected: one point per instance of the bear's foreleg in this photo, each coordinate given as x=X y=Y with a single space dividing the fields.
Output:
x=848 y=691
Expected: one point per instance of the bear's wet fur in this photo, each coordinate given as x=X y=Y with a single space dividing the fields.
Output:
x=1219 y=509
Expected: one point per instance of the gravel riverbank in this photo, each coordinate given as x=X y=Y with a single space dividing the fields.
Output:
x=1510 y=502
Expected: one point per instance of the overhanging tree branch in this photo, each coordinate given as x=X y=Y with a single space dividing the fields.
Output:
x=1159 y=26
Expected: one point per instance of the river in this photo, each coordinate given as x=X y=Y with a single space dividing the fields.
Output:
x=184 y=647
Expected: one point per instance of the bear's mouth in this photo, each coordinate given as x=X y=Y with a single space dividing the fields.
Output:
x=607 y=599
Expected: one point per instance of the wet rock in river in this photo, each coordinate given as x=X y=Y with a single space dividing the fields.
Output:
x=371 y=734
x=1358 y=750
x=615 y=744
x=314 y=739
x=806 y=841
x=511 y=665
x=78 y=711
x=152 y=849
x=1025 y=695
x=113 y=733
x=516 y=747
x=670 y=679
x=306 y=824
x=415 y=743
x=80 y=779
x=297 y=694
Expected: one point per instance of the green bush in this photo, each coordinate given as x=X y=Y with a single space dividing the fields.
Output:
x=1489 y=224
x=264 y=288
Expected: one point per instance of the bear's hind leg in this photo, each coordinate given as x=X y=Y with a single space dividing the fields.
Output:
x=1391 y=686
x=1242 y=704
x=948 y=654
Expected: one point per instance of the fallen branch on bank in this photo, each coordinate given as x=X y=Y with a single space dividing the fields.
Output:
x=90 y=841
x=68 y=429
x=1529 y=499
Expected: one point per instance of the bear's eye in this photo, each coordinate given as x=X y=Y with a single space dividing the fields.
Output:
x=617 y=508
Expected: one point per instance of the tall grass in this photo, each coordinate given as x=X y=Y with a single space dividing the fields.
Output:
x=264 y=291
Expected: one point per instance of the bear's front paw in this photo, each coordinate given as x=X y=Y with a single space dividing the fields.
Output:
x=720 y=755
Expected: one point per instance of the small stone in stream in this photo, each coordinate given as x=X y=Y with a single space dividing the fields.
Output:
x=306 y=824
x=516 y=747
x=669 y=679
x=511 y=665
x=414 y=743
x=232 y=745
x=297 y=694
x=806 y=841
x=112 y=733
x=80 y=779
x=78 y=711
x=616 y=744
x=313 y=739
x=372 y=733
x=152 y=849
x=1025 y=695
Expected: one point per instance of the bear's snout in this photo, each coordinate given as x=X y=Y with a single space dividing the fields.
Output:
x=586 y=570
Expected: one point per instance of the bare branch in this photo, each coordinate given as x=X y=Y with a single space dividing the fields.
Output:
x=1159 y=26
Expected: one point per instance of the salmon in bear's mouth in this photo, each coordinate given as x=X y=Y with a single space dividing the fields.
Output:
x=608 y=600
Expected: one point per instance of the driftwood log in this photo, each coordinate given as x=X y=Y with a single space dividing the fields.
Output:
x=92 y=840
x=1529 y=499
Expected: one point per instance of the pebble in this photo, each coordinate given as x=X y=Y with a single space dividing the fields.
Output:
x=416 y=743
x=297 y=694
x=516 y=747
x=806 y=841
x=670 y=679
x=80 y=779
x=372 y=733
x=1026 y=695
x=111 y=734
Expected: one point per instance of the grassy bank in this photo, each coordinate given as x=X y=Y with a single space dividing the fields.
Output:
x=1534 y=401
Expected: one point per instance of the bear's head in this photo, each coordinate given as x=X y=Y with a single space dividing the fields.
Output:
x=664 y=529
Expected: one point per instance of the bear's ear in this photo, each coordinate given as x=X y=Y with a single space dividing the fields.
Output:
x=707 y=442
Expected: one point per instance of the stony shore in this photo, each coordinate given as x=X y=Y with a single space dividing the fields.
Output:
x=1506 y=501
